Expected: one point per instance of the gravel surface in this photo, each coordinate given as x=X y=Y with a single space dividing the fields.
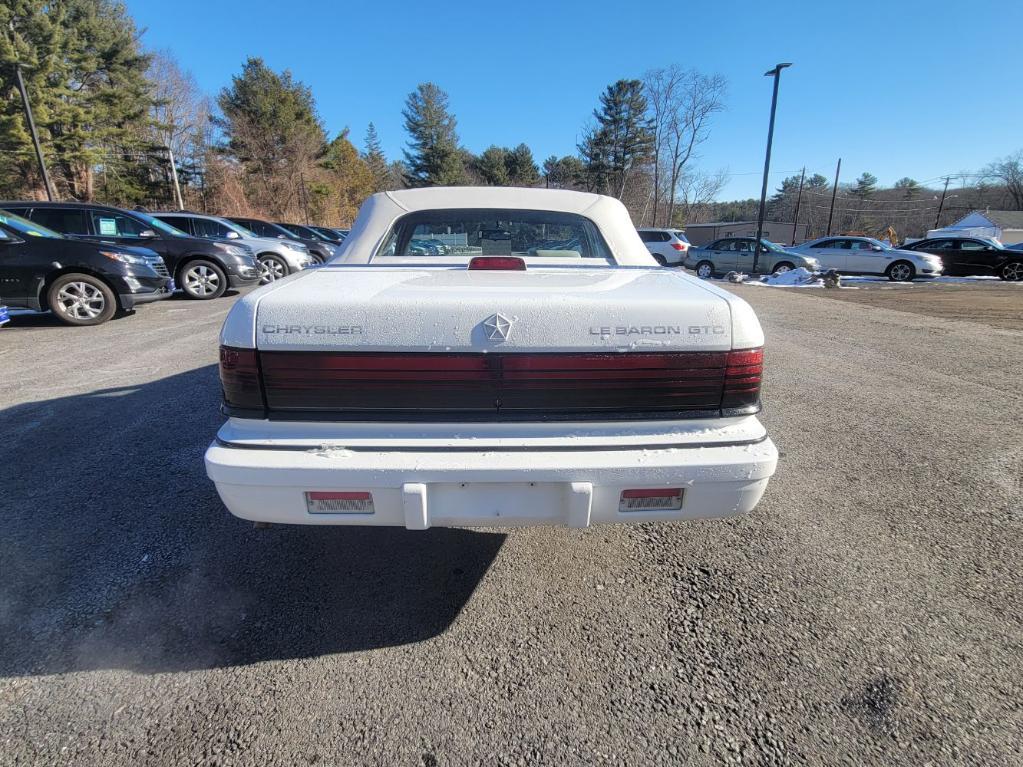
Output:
x=868 y=612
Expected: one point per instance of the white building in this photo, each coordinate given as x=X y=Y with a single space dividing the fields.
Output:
x=1004 y=225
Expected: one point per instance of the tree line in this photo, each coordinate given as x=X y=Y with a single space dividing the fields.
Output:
x=117 y=123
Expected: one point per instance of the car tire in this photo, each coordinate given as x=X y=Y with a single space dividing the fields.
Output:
x=202 y=280
x=271 y=268
x=705 y=270
x=660 y=259
x=784 y=266
x=81 y=299
x=1012 y=271
x=901 y=271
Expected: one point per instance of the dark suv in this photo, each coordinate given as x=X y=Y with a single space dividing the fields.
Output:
x=82 y=283
x=318 y=249
x=203 y=269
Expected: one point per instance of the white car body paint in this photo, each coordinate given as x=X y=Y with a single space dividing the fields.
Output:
x=423 y=474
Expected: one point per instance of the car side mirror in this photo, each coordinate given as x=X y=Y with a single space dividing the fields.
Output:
x=147 y=234
x=233 y=235
x=876 y=248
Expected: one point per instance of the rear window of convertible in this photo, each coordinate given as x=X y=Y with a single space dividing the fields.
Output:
x=530 y=234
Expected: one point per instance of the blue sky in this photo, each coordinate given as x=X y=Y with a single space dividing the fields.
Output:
x=897 y=88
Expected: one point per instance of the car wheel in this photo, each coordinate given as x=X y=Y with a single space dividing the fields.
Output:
x=660 y=259
x=901 y=271
x=271 y=269
x=80 y=299
x=784 y=266
x=705 y=270
x=203 y=280
x=1012 y=271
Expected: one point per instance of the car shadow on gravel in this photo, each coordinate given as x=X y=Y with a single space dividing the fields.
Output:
x=116 y=551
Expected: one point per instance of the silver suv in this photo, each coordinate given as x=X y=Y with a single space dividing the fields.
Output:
x=277 y=258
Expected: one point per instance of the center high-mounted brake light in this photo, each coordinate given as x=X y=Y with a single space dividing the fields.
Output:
x=497 y=263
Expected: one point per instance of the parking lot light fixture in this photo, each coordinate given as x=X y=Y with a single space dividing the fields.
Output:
x=776 y=73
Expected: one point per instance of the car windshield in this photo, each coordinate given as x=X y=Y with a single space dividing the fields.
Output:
x=156 y=223
x=529 y=234
x=26 y=227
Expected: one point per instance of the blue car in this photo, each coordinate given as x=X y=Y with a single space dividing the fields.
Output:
x=4 y=316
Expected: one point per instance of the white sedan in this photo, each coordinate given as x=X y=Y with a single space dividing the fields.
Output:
x=865 y=255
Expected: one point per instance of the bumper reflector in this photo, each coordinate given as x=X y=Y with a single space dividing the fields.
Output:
x=652 y=499
x=339 y=503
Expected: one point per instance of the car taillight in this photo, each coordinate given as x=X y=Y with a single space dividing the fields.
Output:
x=678 y=246
x=498 y=263
x=744 y=369
x=239 y=377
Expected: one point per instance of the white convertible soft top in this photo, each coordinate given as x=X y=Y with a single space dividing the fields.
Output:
x=381 y=210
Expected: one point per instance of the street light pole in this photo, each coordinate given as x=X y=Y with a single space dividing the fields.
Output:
x=776 y=73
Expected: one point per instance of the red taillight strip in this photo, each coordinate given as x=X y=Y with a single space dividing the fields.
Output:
x=597 y=382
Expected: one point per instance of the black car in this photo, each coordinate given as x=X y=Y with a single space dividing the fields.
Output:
x=964 y=256
x=318 y=249
x=202 y=268
x=82 y=283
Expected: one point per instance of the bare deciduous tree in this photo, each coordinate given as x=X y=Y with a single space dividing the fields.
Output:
x=682 y=103
x=1009 y=172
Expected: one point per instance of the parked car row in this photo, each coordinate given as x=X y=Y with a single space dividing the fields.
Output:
x=86 y=262
x=959 y=256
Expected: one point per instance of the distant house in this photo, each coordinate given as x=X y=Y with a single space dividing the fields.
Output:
x=1004 y=225
x=774 y=231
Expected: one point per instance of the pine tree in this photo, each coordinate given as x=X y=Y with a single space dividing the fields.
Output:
x=433 y=157
x=273 y=131
x=350 y=180
x=522 y=170
x=376 y=161
x=910 y=187
x=86 y=79
x=621 y=141
x=866 y=185
x=564 y=173
x=492 y=166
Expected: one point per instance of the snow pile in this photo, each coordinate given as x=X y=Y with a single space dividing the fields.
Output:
x=794 y=278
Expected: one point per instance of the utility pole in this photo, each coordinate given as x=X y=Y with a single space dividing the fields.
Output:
x=174 y=175
x=834 y=191
x=799 y=197
x=941 y=204
x=32 y=129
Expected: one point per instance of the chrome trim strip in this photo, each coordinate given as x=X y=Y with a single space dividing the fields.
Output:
x=505 y=449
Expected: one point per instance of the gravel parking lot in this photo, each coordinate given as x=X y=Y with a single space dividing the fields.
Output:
x=869 y=611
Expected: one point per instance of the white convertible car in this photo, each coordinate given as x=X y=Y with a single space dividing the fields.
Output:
x=544 y=370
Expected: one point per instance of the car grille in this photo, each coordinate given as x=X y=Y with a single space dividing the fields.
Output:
x=159 y=266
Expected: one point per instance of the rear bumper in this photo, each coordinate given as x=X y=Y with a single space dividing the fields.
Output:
x=420 y=485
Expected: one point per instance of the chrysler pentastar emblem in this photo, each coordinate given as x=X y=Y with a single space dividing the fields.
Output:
x=497 y=327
